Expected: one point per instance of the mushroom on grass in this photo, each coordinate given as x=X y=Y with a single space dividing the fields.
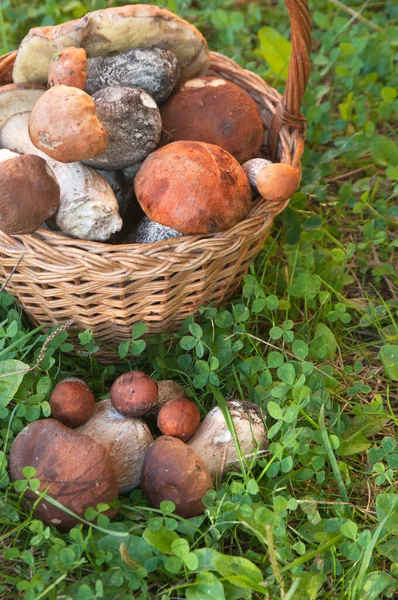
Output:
x=180 y=418
x=72 y=402
x=134 y=394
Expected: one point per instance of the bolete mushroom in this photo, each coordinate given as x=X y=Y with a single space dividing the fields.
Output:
x=149 y=232
x=278 y=182
x=73 y=469
x=180 y=418
x=63 y=124
x=252 y=168
x=29 y=194
x=215 y=443
x=173 y=471
x=193 y=187
x=72 y=402
x=134 y=394
x=126 y=439
x=154 y=70
x=216 y=111
x=109 y=31
x=88 y=207
x=68 y=67
x=132 y=123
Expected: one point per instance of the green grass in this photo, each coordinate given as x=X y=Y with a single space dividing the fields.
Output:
x=316 y=515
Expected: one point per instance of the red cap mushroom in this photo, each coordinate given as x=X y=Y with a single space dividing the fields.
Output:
x=134 y=394
x=180 y=418
x=68 y=67
x=72 y=402
x=278 y=182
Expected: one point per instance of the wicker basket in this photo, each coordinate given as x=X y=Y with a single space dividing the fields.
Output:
x=107 y=288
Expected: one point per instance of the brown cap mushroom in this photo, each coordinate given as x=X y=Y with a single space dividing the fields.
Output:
x=193 y=187
x=173 y=471
x=72 y=468
x=180 y=418
x=72 y=402
x=68 y=67
x=278 y=182
x=133 y=125
x=29 y=194
x=134 y=394
x=216 y=111
x=126 y=439
x=64 y=125
x=252 y=168
x=113 y=30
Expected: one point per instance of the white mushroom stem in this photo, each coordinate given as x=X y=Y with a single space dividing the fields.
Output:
x=126 y=439
x=216 y=444
x=88 y=206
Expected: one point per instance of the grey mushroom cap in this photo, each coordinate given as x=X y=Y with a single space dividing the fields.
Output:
x=252 y=168
x=148 y=232
x=154 y=70
x=133 y=124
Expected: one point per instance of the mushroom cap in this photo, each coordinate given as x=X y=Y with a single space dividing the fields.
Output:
x=216 y=111
x=72 y=402
x=126 y=439
x=173 y=471
x=29 y=194
x=64 y=125
x=154 y=70
x=113 y=30
x=278 y=182
x=133 y=125
x=149 y=232
x=78 y=472
x=252 y=168
x=193 y=187
x=180 y=418
x=68 y=67
x=17 y=98
x=134 y=394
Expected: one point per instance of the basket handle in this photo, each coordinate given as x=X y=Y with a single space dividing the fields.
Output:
x=288 y=110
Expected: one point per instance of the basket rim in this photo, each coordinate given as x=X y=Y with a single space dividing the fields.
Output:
x=260 y=207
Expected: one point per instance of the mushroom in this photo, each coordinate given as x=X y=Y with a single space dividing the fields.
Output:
x=252 y=168
x=72 y=402
x=168 y=390
x=193 y=187
x=88 y=207
x=68 y=67
x=215 y=443
x=29 y=193
x=113 y=30
x=63 y=124
x=180 y=418
x=17 y=98
x=154 y=70
x=149 y=232
x=216 y=111
x=278 y=182
x=134 y=394
x=73 y=469
x=126 y=439
x=133 y=125
x=173 y=471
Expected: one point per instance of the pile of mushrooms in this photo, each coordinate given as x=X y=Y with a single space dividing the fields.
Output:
x=89 y=452
x=118 y=135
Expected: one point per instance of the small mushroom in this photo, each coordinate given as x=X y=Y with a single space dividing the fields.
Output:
x=252 y=168
x=126 y=439
x=173 y=471
x=73 y=469
x=149 y=232
x=63 y=124
x=88 y=207
x=154 y=70
x=29 y=194
x=215 y=111
x=278 y=182
x=72 y=402
x=133 y=125
x=193 y=187
x=68 y=67
x=134 y=394
x=214 y=442
x=180 y=418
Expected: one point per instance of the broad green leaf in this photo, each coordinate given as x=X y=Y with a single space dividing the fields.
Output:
x=162 y=539
x=239 y=571
x=324 y=344
x=274 y=410
x=300 y=349
x=384 y=150
x=9 y=385
x=375 y=584
x=389 y=359
x=206 y=586
x=354 y=444
x=387 y=508
x=138 y=330
x=286 y=373
x=180 y=548
x=276 y=50
x=349 y=529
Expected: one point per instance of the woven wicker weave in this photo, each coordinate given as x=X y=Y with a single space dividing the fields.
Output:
x=107 y=288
